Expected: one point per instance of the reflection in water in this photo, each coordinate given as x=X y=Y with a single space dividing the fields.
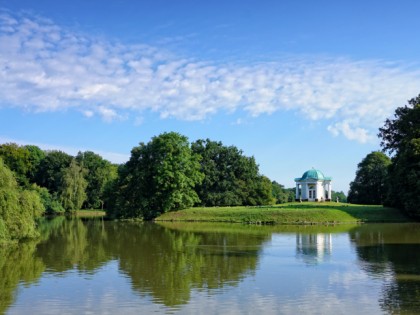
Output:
x=167 y=266
x=163 y=262
x=390 y=249
x=17 y=266
x=313 y=248
x=72 y=243
x=169 y=263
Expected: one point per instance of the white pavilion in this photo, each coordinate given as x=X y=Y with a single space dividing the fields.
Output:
x=313 y=186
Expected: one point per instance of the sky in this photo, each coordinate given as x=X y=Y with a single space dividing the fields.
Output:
x=296 y=84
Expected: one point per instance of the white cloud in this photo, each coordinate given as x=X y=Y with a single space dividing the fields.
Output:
x=88 y=113
x=350 y=132
x=44 y=67
x=109 y=114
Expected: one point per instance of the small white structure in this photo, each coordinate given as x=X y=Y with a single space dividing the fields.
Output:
x=313 y=186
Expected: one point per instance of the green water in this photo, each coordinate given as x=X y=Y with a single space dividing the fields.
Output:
x=99 y=267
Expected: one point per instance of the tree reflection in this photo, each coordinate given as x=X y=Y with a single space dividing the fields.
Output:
x=72 y=243
x=168 y=263
x=392 y=250
x=165 y=262
x=17 y=266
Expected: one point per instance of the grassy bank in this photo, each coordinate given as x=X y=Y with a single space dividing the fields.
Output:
x=90 y=213
x=291 y=213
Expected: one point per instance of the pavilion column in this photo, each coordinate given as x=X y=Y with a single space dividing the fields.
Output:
x=329 y=190
x=297 y=191
x=307 y=191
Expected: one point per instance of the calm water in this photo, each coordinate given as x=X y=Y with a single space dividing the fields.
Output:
x=97 y=267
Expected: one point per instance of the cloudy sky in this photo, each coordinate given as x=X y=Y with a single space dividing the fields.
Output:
x=297 y=84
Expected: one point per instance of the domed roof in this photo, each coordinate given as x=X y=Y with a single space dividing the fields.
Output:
x=313 y=174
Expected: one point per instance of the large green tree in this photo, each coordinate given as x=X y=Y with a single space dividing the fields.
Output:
x=370 y=184
x=160 y=176
x=401 y=137
x=73 y=187
x=99 y=174
x=36 y=155
x=17 y=159
x=50 y=170
x=230 y=177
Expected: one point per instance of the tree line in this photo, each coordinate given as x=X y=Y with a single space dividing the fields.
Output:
x=167 y=173
x=393 y=181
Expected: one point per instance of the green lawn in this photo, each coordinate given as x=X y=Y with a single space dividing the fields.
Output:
x=290 y=213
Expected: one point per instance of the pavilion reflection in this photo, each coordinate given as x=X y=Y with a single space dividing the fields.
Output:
x=313 y=248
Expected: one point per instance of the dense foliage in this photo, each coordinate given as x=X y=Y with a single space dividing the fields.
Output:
x=73 y=187
x=18 y=159
x=168 y=173
x=62 y=182
x=370 y=185
x=338 y=196
x=393 y=182
x=401 y=137
x=160 y=176
x=18 y=208
x=99 y=174
x=50 y=170
x=281 y=194
x=230 y=178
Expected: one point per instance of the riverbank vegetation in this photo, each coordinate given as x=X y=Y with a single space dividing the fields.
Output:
x=290 y=213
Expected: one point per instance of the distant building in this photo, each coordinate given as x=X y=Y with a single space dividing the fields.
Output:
x=313 y=186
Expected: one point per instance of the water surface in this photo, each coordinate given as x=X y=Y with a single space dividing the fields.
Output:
x=99 y=267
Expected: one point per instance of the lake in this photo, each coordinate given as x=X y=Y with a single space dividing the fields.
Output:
x=101 y=267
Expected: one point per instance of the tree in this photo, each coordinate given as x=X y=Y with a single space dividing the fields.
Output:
x=51 y=202
x=51 y=169
x=73 y=187
x=36 y=155
x=338 y=194
x=99 y=173
x=230 y=178
x=17 y=159
x=18 y=208
x=401 y=137
x=369 y=186
x=159 y=177
x=263 y=191
x=279 y=193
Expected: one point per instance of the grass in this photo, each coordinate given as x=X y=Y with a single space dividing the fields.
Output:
x=290 y=213
x=90 y=213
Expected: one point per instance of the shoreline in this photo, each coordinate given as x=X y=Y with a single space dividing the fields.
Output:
x=308 y=213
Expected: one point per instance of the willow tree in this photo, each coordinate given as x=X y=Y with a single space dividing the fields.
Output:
x=73 y=187
x=99 y=174
x=18 y=208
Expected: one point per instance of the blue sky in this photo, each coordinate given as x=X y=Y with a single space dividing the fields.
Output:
x=297 y=84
